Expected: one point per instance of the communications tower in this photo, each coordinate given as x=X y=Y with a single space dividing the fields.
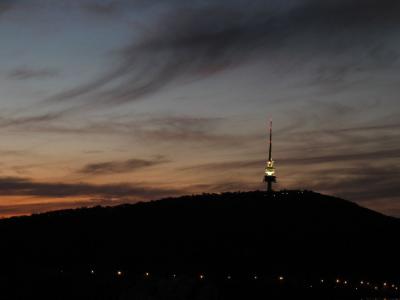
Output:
x=269 y=176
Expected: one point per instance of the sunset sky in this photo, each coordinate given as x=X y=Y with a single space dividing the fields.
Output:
x=107 y=102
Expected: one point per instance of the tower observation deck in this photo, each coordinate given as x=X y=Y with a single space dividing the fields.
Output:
x=269 y=176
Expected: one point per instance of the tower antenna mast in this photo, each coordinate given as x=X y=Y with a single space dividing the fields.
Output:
x=270 y=141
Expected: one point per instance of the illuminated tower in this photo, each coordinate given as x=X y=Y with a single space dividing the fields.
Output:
x=269 y=176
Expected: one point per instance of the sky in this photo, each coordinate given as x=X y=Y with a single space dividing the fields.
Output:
x=109 y=102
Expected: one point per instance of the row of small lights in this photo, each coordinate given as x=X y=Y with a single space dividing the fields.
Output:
x=362 y=283
x=284 y=193
x=200 y=276
x=281 y=279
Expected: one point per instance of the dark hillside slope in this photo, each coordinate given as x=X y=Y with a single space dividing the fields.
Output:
x=291 y=232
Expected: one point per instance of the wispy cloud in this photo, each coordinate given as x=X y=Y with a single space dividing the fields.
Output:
x=32 y=121
x=112 y=167
x=166 y=129
x=206 y=38
x=353 y=157
x=25 y=73
x=188 y=129
x=226 y=166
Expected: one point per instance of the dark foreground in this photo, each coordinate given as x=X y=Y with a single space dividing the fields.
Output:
x=126 y=285
x=254 y=245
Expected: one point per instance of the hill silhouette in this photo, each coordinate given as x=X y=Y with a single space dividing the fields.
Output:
x=300 y=234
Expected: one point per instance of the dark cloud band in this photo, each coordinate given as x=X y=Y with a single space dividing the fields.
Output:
x=112 y=167
x=17 y=186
